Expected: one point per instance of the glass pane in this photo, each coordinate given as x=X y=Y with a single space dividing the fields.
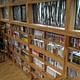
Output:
x=77 y=22
x=19 y=13
x=50 y=13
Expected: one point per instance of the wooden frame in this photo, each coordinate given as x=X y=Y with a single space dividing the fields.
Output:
x=67 y=32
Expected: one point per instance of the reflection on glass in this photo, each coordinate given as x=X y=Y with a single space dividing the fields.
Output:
x=77 y=22
x=50 y=13
x=5 y=13
x=19 y=13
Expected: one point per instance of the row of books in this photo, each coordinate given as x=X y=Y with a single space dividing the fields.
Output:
x=56 y=49
x=54 y=63
x=55 y=37
x=75 y=42
x=72 y=73
x=38 y=63
x=48 y=59
x=50 y=36
x=50 y=13
x=75 y=57
x=49 y=70
x=38 y=54
x=19 y=13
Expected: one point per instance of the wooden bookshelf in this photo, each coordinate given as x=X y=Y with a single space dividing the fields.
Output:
x=67 y=32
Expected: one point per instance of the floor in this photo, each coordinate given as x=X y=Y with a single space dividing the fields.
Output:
x=9 y=71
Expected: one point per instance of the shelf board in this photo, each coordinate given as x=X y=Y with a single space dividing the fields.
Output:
x=54 y=29
x=72 y=48
x=74 y=33
x=48 y=54
x=19 y=23
x=73 y=66
x=4 y=20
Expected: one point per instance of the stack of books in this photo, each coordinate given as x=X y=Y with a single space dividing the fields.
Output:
x=72 y=73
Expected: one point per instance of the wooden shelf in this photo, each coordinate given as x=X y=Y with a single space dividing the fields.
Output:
x=48 y=54
x=47 y=28
x=67 y=31
x=46 y=63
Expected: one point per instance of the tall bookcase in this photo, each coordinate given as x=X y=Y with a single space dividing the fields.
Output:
x=43 y=37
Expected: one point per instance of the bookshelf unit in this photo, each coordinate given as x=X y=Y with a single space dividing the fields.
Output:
x=43 y=37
